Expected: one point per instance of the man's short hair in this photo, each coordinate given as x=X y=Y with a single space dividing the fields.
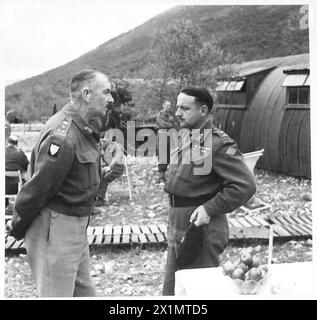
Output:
x=13 y=140
x=201 y=95
x=84 y=76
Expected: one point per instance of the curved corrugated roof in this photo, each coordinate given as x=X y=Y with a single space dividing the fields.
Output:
x=299 y=59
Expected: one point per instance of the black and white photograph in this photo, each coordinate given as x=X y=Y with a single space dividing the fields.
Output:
x=157 y=150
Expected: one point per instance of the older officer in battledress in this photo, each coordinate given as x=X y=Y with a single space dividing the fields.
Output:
x=207 y=178
x=52 y=209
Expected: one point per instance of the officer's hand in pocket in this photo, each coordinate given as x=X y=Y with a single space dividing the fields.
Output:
x=200 y=215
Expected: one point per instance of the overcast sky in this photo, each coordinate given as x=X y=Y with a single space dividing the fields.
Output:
x=38 y=36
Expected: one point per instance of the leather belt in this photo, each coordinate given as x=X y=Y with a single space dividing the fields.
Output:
x=68 y=209
x=176 y=201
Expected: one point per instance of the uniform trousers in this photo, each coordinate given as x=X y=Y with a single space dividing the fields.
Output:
x=216 y=235
x=58 y=254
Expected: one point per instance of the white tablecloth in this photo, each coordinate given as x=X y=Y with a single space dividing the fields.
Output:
x=287 y=279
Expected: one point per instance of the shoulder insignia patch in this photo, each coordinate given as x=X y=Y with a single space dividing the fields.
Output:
x=231 y=151
x=219 y=132
x=53 y=150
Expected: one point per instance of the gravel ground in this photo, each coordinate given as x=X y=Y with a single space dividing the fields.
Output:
x=137 y=271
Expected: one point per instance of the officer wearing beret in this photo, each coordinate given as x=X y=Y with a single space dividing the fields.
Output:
x=207 y=178
x=52 y=209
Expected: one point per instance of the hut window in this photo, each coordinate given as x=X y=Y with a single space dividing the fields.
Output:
x=297 y=90
x=231 y=93
x=298 y=96
x=295 y=80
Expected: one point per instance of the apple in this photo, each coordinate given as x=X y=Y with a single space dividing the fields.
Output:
x=255 y=274
x=237 y=273
x=246 y=258
x=228 y=267
x=256 y=261
x=243 y=266
x=264 y=267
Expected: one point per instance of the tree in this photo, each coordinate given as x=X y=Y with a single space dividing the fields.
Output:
x=181 y=58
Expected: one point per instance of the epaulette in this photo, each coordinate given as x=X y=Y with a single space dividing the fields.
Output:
x=219 y=133
x=64 y=126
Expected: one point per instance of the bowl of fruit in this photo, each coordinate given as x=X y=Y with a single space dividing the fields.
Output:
x=248 y=275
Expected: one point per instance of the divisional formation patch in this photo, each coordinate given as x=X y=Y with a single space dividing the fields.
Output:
x=53 y=150
x=231 y=151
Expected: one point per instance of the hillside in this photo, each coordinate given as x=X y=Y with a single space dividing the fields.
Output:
x=252 y=32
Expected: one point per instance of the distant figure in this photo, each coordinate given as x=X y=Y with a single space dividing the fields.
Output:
x=7 y=130
x=165 y=119
x=112 y=167
x=10 y=117
x=15 y=159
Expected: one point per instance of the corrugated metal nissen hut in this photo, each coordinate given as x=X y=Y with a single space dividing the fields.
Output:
x=267 y=105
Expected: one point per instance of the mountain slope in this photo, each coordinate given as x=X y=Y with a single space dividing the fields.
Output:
x=252 y=32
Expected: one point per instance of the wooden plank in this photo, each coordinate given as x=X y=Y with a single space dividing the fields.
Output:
x=136 y=229
x=91 y=238
x=280 y=231
x=262 y=222
x=292 y=232
x=98 y=230
x=117 y=230
x=116 y=238
x=297 y=228
x=10 y=241
x=289 y=220
x=305 y=229
x=256 y=233
x=243 y=222
x=134 y=238
x=107 y=239
x=126 y=230
x=230 y=223
x=304 y=219
x=300 y=223
x=154 y=228
x=235 y=223
x=107 y=229
x=126 y=238
x=90 y=230
x=17 y=244
x=163 y=228
x=151 y=237
x=160 y=237
x=99 y=239
x=142 y=238
x=145 y=229
x=252 y=221
x=308 y=216
x=236 y=233
x=288 y=226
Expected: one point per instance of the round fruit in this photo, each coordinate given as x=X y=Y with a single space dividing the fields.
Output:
x=256 y=262
x=237 y=274
x=246 y=258
x=264 y=267
x=255 y=274
x=228 y=267
x=243 y=266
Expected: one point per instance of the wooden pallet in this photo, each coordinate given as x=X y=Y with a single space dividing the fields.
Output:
x=289 y=226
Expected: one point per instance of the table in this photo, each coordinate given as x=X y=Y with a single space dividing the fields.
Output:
x=286 y=279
